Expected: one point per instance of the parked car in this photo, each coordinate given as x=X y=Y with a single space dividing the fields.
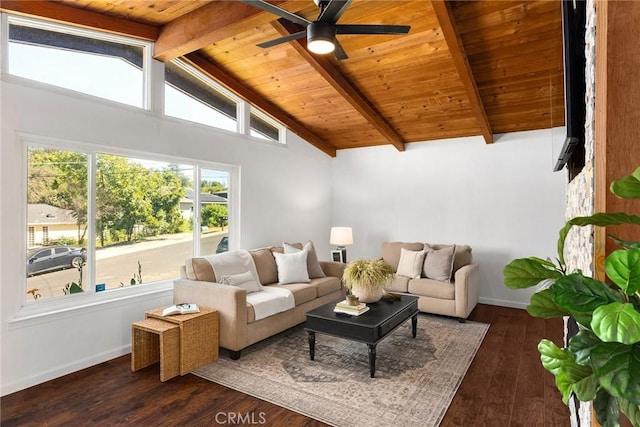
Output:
x=223 y=245
x=44 y=260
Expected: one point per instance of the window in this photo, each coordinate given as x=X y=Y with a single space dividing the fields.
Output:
x=263 y=127
x=97 y=64
x=190 y=95
x=137 y=230
x=214 y=213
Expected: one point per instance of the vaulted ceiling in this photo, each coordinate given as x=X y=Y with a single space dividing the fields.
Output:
x=465 y=68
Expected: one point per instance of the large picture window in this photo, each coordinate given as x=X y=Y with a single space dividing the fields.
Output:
x=108 y=67
x=137 y=229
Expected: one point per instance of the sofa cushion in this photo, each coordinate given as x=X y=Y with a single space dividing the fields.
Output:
x=438 y=263
x=326 y=285
x=410 y=264
x=199 y=268
x=266 y=265
x=292 y=268
x=432 y=288
x=398 y=284
x=241 y=280
x=391 y=252
x=313 y=266
x=462 y=255
x=302 y=292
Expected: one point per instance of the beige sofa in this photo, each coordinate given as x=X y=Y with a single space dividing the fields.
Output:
x=238 y=325
x=455 y=295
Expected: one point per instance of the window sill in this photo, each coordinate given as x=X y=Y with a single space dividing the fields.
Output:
x=42 y=311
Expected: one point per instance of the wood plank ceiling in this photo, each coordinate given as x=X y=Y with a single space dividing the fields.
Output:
x=465 y=68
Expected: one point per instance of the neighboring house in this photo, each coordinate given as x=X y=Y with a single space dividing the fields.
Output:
x=47 y=223
x=186 y=203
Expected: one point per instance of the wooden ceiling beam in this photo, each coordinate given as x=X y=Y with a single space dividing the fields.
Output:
x=57 y=12
x=207 y=25
x=211 y=69
x=456 y=48
x=345 y=88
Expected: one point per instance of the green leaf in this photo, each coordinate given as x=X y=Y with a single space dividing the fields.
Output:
x=582 y=294
x=617 y=367
x=627 y=187
x=606 y=408
x=527 y=272
x=631 y=410
x=542 y=305
x=74 y=288
x=623 y=268
x=586 y=388
x=562 y=365
x=581 y=344
x=617 y=322
x=625 y=243
x=599 y=219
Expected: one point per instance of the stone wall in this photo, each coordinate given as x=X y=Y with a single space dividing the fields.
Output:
x=579 y=249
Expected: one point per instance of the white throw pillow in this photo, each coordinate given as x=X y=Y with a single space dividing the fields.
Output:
x=242 y=280
x=410 y=264
x=292 y=268
x=313 y=266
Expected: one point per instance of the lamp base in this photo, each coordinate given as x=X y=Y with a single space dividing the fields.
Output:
x=343 y=254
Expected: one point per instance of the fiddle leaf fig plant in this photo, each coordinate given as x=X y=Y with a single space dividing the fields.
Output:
x=601 y=363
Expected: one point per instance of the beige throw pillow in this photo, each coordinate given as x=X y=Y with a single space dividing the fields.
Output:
x=438 y=263
x=242 y=280
x=292 y=268
x=410 y=264
x=313 y=265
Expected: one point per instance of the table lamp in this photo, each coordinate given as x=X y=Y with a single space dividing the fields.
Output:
x=341 y=236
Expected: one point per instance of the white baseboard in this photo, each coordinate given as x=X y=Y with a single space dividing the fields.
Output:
x=503 y=303
x=77 y=365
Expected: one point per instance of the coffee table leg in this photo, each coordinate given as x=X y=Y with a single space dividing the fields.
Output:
x=312 y=345
x=414 y=325
x=372 y=360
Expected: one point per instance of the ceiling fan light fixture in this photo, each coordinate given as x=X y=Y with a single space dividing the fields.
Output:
x=320 y=38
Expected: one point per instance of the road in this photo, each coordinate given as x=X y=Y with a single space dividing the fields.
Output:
x=160 y=259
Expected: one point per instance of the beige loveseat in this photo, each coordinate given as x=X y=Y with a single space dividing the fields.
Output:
x=238 y=325
x=454 y=294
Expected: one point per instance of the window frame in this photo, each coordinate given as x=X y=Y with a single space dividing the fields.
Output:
x=147 y=49
x=33 y=309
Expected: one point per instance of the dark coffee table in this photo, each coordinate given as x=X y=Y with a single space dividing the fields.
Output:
x=370 y=328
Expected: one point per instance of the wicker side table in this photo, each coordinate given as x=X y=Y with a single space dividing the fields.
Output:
x=154 y=340
x=198 y=336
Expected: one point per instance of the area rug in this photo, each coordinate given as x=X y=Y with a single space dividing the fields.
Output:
x=415 y=380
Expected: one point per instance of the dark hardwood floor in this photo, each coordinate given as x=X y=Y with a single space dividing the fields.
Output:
x=505 y=386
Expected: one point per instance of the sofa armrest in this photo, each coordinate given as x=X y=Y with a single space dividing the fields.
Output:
x=229 y=301
x=466 y=289
x=333 y=269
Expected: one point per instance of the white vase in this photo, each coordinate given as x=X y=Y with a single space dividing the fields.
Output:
x=366 y=294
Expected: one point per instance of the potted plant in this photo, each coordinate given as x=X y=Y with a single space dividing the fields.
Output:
x=367 y=278
x=601 y=363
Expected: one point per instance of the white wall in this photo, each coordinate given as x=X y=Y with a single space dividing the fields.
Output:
x=285 y=195
x=502 y=199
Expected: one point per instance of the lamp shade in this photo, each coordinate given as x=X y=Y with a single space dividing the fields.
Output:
x=341 y=236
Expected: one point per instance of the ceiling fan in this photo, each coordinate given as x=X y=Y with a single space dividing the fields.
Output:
x=321 y=33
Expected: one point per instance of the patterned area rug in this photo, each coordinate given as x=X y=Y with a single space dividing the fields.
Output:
x=415 y=381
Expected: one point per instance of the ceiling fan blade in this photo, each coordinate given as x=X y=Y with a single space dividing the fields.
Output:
x=372 y=29
x=279 y=40
x=268 y=7
x=339 y=52
x=333 y=11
